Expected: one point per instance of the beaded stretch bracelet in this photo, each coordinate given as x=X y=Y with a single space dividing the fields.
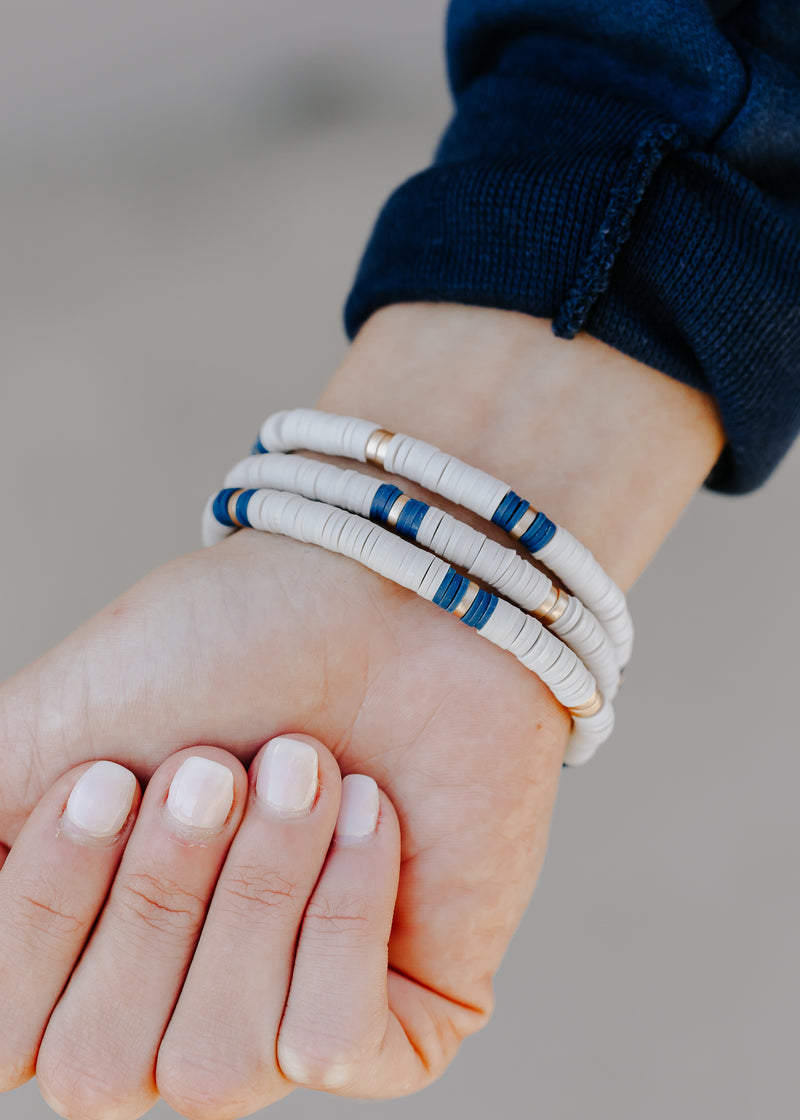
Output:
x=432 y=578
x=503 y=569
x=443 y=474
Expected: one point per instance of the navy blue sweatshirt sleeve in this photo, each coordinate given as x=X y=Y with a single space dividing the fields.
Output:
x=629 y=168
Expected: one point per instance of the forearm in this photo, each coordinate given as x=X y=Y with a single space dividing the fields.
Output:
x=606 y=446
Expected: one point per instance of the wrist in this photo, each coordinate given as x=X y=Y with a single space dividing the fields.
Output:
x=606 y=446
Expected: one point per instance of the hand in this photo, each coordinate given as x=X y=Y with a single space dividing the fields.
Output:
x=262 y=635
x=295 y=933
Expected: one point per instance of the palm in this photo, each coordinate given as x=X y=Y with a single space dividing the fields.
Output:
x=261 y=635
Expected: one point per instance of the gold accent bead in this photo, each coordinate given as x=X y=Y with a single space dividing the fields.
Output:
x=544 y=608
x=232 y=508
x=524 y=523
x=377 y=444
x=552 y=613
x=467 y=599
x=393 y=516
x=590 y=708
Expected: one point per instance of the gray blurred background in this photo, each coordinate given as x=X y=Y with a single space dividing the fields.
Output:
x=185 y=190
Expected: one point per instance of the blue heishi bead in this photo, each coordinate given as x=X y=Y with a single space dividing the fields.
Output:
x=450 y=589
x=540 y=532
x=478 y=608
x=241 y=506
x=515 y=516
x=444 y=585
x=510 y=510
x=410 y=518
x=220 y=507
x=447 y=589
x=383 y=501
x=259 y=448
x=487 y=614
x=459 y=586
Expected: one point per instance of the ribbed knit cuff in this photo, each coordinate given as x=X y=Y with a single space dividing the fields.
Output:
x=603 y=216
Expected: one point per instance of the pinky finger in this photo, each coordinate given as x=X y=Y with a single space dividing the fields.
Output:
x=337 y=1028
x=338 y=1032
x=53 y=884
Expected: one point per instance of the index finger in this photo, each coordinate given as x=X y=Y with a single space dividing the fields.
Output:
x=52 y=886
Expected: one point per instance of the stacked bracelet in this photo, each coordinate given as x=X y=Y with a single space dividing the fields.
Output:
x=443 y=474
x=503 y=569
x=576 y=643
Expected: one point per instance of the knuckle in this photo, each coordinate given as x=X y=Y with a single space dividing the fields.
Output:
x=348 y=915
x=440 y=1035
x=74 y=1092
x=305 y=1062
x=324 y=1055
x=441 y=1026
x=254 y=894
x=205 y=1087
x=42 y=915
x=151 y=903
x=15 y=1071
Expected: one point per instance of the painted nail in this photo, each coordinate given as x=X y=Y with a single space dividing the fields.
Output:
x=101 y=799
x=359 y=807
x=201 y=793
x=288 y=777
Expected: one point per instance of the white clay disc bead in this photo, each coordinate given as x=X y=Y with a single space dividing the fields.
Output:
x=540 y=651
x=211 y=531
x=504 y=624
x=317 y=431
x=467 y=486
x=581 y=631
x=575 y=565
x=459 y=543
x=415 y=459
x=588 y=734
x=323 y=481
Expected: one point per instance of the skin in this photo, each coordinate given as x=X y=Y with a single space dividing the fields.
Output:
x=159 y=927
x=263 y=635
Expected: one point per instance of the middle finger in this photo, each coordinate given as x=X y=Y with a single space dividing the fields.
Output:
x=219 y=1055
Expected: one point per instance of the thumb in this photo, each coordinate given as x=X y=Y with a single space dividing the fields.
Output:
x=32 y=751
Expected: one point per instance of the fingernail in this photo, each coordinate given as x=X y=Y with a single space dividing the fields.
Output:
x=358 y=810
x=101 y=799
x=201 y=793
x=288 y=777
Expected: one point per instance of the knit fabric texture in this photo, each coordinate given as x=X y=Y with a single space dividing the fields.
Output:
x=628 y=168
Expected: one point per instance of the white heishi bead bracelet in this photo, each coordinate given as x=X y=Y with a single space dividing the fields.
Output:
x=432 y=578
x=313 y=430
x=503 y=569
